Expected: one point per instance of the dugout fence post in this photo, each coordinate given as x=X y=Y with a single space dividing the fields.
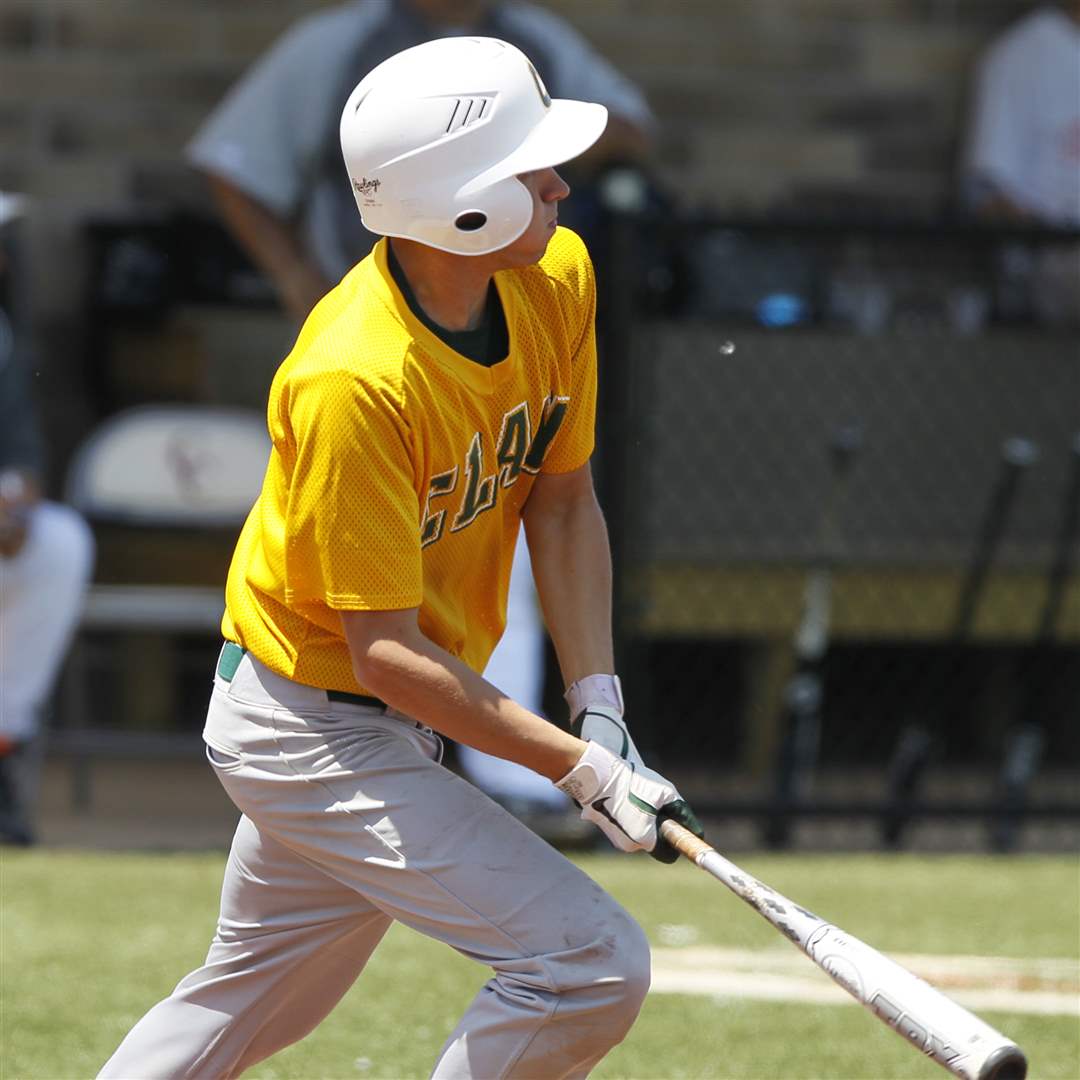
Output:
x=618 y=423
x=710 y=580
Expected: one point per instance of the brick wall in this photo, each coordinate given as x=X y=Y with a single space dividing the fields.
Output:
x=758 y=101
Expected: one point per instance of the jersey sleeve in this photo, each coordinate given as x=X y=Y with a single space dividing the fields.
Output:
x=352 y=520
x=576 y=437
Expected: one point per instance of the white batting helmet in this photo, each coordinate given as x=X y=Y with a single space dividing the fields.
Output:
x=435 y=137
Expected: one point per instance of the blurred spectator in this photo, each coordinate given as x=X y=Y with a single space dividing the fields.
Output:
x=272 y=154
x=1023 y=154
x=271 y=149
x=46 y=552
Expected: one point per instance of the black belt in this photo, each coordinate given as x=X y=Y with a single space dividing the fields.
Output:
x=356 y=699
x=232 y=654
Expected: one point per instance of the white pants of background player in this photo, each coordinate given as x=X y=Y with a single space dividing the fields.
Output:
x=349 y=823
x=516 y=667
x=41 y=591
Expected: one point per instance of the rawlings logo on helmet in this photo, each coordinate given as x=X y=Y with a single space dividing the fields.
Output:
x=365 y=186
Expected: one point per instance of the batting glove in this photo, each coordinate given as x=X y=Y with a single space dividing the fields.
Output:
x=596 y=708
x=626 y=802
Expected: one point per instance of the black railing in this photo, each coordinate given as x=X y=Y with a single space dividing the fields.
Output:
x=960 y=510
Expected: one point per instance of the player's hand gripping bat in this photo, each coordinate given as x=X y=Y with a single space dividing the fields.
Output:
x=955 y=1038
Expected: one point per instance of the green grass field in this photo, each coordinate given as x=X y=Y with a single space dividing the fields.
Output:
x=91 y=940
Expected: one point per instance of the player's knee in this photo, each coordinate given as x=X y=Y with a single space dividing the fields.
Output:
x=66 y=541
x=623 y=958
x=616 y=977
x=631 y=969
x=607 y=972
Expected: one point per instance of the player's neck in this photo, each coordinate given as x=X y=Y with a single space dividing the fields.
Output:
x=452 y=289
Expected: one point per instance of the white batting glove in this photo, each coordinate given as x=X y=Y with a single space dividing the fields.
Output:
x=623 y=800
x=596 y=708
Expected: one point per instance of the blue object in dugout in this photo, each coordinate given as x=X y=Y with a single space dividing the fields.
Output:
x=781 y=309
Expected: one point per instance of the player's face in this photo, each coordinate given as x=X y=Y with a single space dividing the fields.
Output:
x=547 y=189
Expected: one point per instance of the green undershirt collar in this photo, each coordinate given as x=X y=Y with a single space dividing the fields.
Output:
x=486 y=344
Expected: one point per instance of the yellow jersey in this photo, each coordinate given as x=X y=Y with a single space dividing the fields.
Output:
x=399 y=467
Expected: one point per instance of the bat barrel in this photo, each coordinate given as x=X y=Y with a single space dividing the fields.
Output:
x=932 y=1022
x=1008 y=1063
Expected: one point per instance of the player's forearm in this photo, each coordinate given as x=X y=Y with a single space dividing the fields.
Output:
x=571 y=561
x=274 y=245
x=998 y=207
x=622 y=141
x=418 y=678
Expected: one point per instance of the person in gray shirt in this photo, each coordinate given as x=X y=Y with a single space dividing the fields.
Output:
x=271 y=153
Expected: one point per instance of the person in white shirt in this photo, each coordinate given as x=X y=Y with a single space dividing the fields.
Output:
x=1022 y=158
x=46 y=558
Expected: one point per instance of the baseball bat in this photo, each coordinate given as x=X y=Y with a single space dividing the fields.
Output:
x=933 y=1023
x=916 y=742
x=800 y=722
x=1025 y=744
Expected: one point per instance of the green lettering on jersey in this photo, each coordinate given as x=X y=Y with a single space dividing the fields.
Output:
x=480 y=490
x=431 y=528
x=513 y=444
x=553 y=415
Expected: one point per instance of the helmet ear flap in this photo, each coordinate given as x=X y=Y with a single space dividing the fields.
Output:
x=489 y=219
x=470 y=220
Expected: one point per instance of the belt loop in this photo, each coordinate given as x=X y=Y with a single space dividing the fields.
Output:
x=229 y=661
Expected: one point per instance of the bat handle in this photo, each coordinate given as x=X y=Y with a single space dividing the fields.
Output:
x=683 y=840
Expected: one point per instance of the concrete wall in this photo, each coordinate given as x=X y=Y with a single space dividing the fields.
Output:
x=760 y=101
x=761 y=98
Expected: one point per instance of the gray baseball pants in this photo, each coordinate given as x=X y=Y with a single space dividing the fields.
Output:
x=350 y=822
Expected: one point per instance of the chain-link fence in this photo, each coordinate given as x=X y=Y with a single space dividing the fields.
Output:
x=841 y=474
x=845 y=517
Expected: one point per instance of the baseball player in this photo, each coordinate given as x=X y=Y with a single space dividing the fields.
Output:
x=439 y=397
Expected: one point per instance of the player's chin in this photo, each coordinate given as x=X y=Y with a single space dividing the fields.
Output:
x=531 y=247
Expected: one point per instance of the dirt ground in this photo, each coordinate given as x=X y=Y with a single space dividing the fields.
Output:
x=1044 y=986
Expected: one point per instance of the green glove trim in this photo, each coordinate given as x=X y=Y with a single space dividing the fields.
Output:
x=681 y=812
x=641 y=804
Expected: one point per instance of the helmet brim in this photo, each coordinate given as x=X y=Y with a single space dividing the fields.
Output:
x=567 y=130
